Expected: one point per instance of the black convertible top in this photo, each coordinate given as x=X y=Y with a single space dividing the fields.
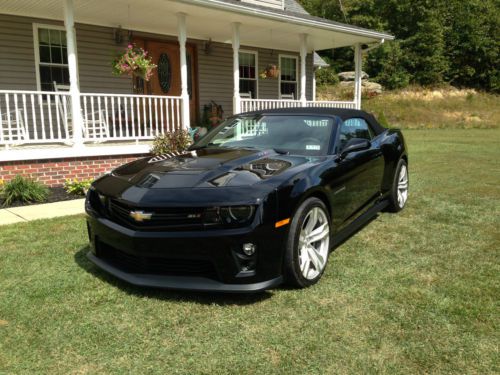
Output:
x=342 y=113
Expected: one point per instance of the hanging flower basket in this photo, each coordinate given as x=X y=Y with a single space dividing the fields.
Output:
x=134 y=61
x=271 y=71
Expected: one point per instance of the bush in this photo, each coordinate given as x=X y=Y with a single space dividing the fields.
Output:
x=387 y=61
x=177 y=141
x=76 y=187
x=326 y=76
x=25 y=190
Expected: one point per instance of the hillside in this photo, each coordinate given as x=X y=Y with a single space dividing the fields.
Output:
x=418 y=108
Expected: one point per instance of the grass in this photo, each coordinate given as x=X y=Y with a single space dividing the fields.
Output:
x=412 y=293
x=418 y=108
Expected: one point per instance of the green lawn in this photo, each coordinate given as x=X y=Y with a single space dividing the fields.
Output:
x=412 y=293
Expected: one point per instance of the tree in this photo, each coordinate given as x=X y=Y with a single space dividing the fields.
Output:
x=453 y=41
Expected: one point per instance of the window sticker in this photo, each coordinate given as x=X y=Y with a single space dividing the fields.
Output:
x=313 y=147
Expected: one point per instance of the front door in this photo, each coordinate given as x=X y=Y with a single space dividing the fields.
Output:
x=166 y=79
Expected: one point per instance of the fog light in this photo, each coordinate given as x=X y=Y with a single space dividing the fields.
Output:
x=249 y=249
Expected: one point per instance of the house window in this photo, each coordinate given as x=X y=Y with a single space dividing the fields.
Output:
x=248 y=74
x=288 y=77
x=51 y=57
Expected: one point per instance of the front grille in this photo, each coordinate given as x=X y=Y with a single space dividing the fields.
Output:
x=162 y=218
x=156 y=265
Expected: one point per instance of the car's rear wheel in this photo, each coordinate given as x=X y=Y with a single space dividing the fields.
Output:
x=399 y=192
x=308 y=244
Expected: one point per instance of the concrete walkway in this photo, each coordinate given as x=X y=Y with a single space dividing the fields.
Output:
x=41 y=211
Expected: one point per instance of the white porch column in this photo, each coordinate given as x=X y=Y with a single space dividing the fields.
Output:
x=76 y=111
x=236 y=68
x=358 y=62
x=182 y=36
x=314 y=78
x=303 y=56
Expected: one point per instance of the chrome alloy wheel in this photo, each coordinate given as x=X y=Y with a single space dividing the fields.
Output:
x=402 y=186
x=314 y=241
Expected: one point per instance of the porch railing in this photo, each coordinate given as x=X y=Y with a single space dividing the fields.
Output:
x=37 y=117
x=249 y=105
x=34 y=117
x=115 y=117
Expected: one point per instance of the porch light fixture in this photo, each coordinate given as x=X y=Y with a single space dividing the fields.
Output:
x=118 y=35
x=207 y=46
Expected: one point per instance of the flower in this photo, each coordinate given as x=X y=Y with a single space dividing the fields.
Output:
x=134 y=61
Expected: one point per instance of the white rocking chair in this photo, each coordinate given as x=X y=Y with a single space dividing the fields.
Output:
x=95 y=126
x=13 y=128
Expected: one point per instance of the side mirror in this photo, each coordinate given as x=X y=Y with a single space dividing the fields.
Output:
x=354 y=145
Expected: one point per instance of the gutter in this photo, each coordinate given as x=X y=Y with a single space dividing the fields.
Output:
x=245 y=10
x=376 y=45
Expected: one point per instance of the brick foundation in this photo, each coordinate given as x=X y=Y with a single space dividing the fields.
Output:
x=54 y=172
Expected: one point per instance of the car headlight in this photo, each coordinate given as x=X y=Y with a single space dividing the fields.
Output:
x=236 y=214
x=231 y=215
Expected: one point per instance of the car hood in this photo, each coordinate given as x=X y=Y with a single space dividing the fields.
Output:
x=208 y=168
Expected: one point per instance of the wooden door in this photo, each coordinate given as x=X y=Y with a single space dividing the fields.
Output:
x=166 y=79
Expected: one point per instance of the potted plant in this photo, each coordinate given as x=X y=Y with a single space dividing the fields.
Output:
x=135 y=62
x=271 y=71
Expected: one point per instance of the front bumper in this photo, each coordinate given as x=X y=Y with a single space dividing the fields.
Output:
x=181 y=282
x=209 y=260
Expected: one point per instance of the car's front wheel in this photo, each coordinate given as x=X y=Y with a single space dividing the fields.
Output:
x=308 y=244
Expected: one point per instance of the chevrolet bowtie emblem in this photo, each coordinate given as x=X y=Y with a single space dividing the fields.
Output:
x=140 y=215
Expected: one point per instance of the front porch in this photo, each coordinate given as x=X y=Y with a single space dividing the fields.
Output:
x=45 y=117
x=90 y=117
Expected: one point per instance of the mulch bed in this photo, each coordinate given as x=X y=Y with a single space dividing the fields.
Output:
x=56 y=194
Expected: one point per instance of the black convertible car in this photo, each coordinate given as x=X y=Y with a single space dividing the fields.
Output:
x=260 y=200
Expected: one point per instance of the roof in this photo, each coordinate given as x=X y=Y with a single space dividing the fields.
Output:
x=294 y=6
x=261 y=26
x=341 y=113
x=296 y=11
x=319 y=62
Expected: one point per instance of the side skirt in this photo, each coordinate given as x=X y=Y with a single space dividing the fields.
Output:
x=357 y=224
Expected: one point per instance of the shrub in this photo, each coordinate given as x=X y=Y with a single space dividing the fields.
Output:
x=326 y=76
x=386 y=61
x=76 y=187
x=25 y=190
x=176 y=141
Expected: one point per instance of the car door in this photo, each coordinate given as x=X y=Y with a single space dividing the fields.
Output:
x=358 y=175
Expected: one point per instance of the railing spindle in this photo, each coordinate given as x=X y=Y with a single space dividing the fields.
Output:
x=9 y=124
x=143 y=115
x=42 y=116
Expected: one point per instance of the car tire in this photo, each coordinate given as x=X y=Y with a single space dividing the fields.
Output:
x=305 y=260
x=399 y=190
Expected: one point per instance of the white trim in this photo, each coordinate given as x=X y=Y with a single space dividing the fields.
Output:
x=36 y=46
x=70 y=152
x=296 y=74
x=289 y=18
x=256 y=54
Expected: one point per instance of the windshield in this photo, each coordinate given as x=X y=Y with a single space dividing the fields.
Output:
x=300 y=135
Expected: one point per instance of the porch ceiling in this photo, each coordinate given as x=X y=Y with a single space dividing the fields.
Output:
x=206 y=19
